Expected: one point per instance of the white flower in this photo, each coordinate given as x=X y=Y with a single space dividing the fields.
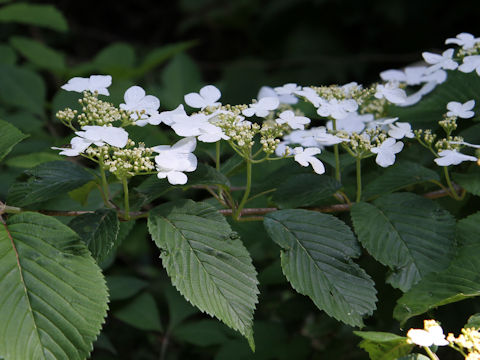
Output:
x=287 y=89
x=386 y=152
x=167 y=117
x=350 y=87
x=412 y=75
x=382 y=123
x=98 y=135
x=465 y=143
x=353 y=122
x=452 y=157
x=198 y=125
x=433 y=335
x=470 y=63
x=417 y=96
x=438 y=76
x=337 y=109
x=465 y=40
x=174 y=160
x=400 y=130
x=262 y=108
x=208 y=96
x=460 y=110
x=391 y=92
x=137 y=101
x=443 y=61
x=98 y=83
x=295 y=122
x=323 y=138
x=311 y=96
x=266 y=91
x=306 y=156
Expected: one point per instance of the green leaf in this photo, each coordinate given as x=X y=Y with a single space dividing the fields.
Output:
x=459 y=87
x=160 y=55
x=179 y=308
x=142 y=313
x=206 y=262
x=115 y=59
x=457 y=282
x=207 y=175
x=22 y=88
x=317 y=252
x=47 y=181
x=397 y=177
x=99 y=231
x=81 y=194
x=123 y=287
x=39 y=15
x=384 y=346
x=39 y=54
x=31 y=160
x=9 y=137
x=54 y=297
x=469 y=181
x=7 y=55
x=201 y=333
x=305 y=190
x=408 y=233
x=180 y=77
x=473 y=321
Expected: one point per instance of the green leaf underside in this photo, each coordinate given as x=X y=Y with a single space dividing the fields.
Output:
x=317 y=252
x=408 y=233
x=208 y=265
x=469 y=181
x=99 y=231
x=142 y=313
x=305 y=190
x=30 y=14
x=461 y=280
x=47 y=181
x=54 y=297
x=384 y=346
x=397 y=177
x=9 y=137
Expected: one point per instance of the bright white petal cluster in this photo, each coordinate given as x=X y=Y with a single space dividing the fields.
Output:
x=266 y=91
x=98 y=135
x=465 y=40
x=306 y=156
x=166 y=117
x=136 y=100
x=386 y=152
x=337 y=109
x=295 y=122
x=174 y=160
x=310 y=95
x=470 y=63
x=452 y=157
x=400 y=130
x=98 y=83
x=431 y=335
x=391 y=92
x=460 y=110
x=413 y=75
x=262 y=108
x=444 y=61
x=353 y=122
x=197 y=125
x=208 y=96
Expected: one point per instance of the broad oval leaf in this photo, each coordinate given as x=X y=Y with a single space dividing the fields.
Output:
x=469 y=181
x=461 y=280
x=141 y=313
x=31 y=14
x=384 y=346
x=317 y=252
x=206 y=262
x=47 y=181
x=54 y=297
x=408 y=233
x=9 y=137
x=99 y=231
x=39 y=54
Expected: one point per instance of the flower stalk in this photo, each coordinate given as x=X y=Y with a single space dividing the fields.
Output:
x=246 y=194
x=126 y=199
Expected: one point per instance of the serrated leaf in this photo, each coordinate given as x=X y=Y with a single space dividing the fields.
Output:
x=179 y=309
x=211 y=268
x=459 y=281
x=459 y=87
x=39 y=54
x=207 y=175
x=81 y=194
x=54 y=297
x=469 y=181
x=317 y=253
x=22 y=88
x=31 y=14
x=99 y=231
x=47 y=181
x=123 y=287
x=305 y=190
x=9 y=137
x=408 y=233
x=384 y=346
x=399 y=176
x=142 y=313
x=28 y=161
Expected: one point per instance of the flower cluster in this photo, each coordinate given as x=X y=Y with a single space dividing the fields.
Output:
x=431 y=334
x=468 y=341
